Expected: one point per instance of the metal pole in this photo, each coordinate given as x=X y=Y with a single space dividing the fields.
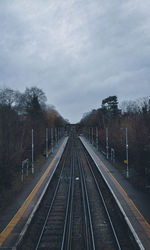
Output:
x=32 y=152
x=27 y=167
x=127 y=152
x=52 y=140
x=111 y=154
x=92 y=137
x=97 y=138
x=127 y=160
x=22 y=173
x=46 y=142
x=59 y=133
x=107 y=143
x=56 y=135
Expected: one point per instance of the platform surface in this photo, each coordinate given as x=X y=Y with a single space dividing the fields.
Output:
x=135 y=205
x=17 y=216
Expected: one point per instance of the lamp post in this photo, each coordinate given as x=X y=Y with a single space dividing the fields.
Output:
x=127 y=158
x=56 y=136
x=52 y=140
x=46 y=142
x=97 y=138
x=107 y=143
x=32 y=151
x=92 y=137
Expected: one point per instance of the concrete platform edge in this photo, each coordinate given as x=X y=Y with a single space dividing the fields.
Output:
x=117 y=201
x=38 y=203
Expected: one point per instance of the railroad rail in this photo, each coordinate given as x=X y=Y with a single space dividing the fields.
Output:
x=55 y=226
x=77 y=215
x=112 y=242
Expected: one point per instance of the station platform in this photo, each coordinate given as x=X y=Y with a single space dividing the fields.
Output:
x=16 y=218
x=134 y=205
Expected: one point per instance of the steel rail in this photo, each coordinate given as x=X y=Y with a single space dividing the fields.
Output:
x=87 y=213
x=71 y=206
x=52 y=203
x=84 y=206
x=68 y=217
x=104 y=204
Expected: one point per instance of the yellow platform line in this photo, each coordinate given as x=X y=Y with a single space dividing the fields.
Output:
x=8 y=229
x=143 y=222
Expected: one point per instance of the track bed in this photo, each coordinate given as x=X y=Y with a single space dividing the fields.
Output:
x=77 y=211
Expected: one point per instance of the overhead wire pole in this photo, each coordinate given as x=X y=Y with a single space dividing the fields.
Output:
x=92 y=137
x=52 y=140
x=97 y=138
x=127 y=152
x=107 y=143
x=127 y=157
x=46 y=142
x=32 y=151
x=56 y=135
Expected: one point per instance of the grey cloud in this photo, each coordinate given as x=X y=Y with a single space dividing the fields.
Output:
x=78 y=51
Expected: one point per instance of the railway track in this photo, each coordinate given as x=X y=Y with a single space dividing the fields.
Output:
x=56 y=228
x=74 y=213
x=104 y=233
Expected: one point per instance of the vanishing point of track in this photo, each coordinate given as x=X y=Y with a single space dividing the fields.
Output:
x=74 y=213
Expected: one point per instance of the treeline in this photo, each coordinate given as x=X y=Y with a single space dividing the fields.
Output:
x=132 y=118
x=19 y=114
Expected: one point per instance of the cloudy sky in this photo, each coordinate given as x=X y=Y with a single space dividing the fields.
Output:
x=78 y=51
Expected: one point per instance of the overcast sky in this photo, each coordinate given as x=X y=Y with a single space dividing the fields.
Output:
x=78 y=51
